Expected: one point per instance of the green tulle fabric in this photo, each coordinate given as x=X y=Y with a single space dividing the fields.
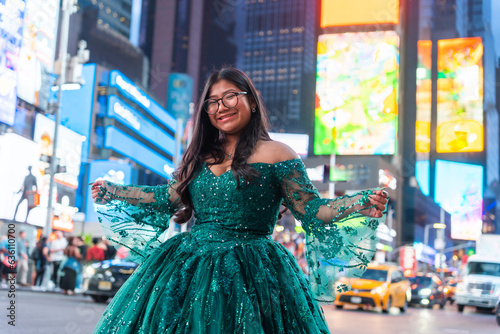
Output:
x=226 y=275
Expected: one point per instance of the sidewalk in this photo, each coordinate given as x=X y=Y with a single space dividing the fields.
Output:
x=4 y=287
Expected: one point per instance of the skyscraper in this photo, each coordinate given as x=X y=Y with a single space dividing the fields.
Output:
x=280 y=57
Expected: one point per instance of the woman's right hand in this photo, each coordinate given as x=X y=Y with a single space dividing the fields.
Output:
x=101 y=190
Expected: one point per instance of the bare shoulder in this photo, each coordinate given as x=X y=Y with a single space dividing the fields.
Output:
x=272 y=152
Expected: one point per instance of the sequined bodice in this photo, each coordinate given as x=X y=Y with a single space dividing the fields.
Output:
x=252 y=208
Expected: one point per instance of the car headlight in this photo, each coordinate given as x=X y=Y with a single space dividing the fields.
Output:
x=379 y=290
x=425 y=292
x=89 y=271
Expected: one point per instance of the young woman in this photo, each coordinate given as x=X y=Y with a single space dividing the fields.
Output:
x=227 y=275
x=71 y=267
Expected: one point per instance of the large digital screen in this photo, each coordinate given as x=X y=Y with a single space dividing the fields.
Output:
x=36 y=59
x=424 y=98
x=128 y=146
x=125 y=114
x=460 y=95
x=357 y=93
x=18 y=177
x=11 y=30
x=179 y=94
x=137 y=95
x=459 y=191
x=358 y=12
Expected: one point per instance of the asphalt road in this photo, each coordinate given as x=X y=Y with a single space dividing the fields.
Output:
x=50 y=313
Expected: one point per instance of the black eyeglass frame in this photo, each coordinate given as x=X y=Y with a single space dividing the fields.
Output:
x=237 y=94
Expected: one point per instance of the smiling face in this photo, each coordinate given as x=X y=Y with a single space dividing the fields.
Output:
x=230 y=121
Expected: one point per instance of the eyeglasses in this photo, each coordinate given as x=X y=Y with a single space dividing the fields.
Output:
x=230 y=100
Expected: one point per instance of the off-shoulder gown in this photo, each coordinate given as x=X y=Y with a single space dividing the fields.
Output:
x=226 y=275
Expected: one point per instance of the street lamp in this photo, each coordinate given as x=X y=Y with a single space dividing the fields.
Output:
x=437 y=226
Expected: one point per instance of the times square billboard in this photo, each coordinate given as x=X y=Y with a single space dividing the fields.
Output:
x=357 y=84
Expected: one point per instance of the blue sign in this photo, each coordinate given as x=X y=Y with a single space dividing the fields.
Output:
x=128 y=116
x=128 y=146
x=77 y=105
x=114 y=171
x=11 y=33
x=179 y=94
x=134 y=93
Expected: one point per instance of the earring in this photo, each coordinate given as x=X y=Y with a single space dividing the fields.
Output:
x=253 y=109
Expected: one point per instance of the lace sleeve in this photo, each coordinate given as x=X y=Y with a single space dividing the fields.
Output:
x=136 y=216
x=340 y=241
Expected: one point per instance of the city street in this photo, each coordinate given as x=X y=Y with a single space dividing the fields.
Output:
x=49 y=313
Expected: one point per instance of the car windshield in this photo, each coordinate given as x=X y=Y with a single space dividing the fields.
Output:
x=375 y=275
x=422 y=281
x=484 y=268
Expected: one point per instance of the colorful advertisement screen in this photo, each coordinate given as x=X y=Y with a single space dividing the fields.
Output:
x=358 y=12
x=459 y=190
x=424 y=98
x=460 y=95
x=356 y=108
x=36 y=59
x=11 y=33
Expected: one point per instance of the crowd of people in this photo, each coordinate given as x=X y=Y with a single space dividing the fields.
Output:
x=64 y=256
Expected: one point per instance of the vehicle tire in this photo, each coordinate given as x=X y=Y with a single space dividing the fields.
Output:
x=339 y=306
x=405 y=307
x=99 y=298
x=498 y=318
x=441 y=305
x=431 y=304
x=460 y=308
x=388 y=305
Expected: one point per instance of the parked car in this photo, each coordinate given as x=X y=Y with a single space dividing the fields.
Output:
x=427 y=290
x=103 y=279
x=382 y=286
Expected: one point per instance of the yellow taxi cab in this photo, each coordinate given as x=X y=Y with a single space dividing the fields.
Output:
x=382 y=286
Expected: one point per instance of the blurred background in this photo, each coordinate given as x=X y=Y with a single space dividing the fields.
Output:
x=370 y=93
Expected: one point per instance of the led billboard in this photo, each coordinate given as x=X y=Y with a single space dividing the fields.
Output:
x=358 y=12
x=36 y=58
x=424 y=98
x=459 y=190
x=460 y=95
x=11 y=30
x=357 y=93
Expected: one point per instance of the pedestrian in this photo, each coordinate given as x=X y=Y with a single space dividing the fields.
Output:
x=70 y=267
x=110 y=251
x=8 y=257
x=226 y=275
x=42 y=260
x=82 y=247
x=23 y=258
x=57 y=247
x=95 y=253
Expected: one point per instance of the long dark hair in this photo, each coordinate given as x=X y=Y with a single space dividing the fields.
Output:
x=208 y=141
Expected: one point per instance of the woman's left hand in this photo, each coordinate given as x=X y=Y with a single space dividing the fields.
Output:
x=379 y=201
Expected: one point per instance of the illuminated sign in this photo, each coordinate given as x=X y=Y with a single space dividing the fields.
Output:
x=358 y=12
x=424 y=98
x=135 y=94
x=422 y=174
x=357 y=93
x=459 y=191
x=126 y=145
x=127 y=115
x=460 y=95
x=36 y=59
x=11 y=28
x=179 y=94
x=14 y=176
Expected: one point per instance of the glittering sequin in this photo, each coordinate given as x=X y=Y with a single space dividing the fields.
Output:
x=227 y=275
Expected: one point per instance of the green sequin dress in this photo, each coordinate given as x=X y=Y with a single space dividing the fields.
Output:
x=226 y=275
